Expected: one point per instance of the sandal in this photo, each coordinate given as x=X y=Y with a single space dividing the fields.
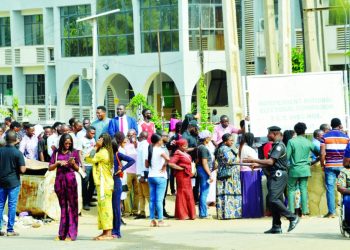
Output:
x=12 y=233
x=162 y=224
x=153 y=223
x=104 y=237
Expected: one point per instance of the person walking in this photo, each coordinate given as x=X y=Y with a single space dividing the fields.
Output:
x=298 y=153
x=277 y=180
x=12 y=165
x=66 y=161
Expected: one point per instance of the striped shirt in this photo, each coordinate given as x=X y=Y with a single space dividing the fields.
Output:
x=335 y=143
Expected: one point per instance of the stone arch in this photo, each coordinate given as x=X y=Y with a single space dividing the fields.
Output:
x=115 y=89
x=171 y=94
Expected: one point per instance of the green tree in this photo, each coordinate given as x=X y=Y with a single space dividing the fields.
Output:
x=297 y=60
x=139 y=102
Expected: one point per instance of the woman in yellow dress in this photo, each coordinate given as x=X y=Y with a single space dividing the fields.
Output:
x=102 y=159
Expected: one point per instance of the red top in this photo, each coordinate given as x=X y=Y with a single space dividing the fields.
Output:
x=149 y=128
x=182 y=159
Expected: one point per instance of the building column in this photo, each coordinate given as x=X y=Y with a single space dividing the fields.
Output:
x=233 y=69
x=312 y=56
x=270 y=37
x=137 y=25
x=284 y=26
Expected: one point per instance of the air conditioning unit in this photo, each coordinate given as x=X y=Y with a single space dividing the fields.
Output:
x=86 y=73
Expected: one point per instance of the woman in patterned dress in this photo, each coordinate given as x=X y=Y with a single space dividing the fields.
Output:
x=66 y=161
x=102 y=159
x=228 y=191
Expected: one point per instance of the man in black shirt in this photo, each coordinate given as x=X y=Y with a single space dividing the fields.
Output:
x=277 y=180
x=12 y=164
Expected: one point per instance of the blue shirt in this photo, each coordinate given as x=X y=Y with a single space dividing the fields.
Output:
x=101 y=127
x=317 y=144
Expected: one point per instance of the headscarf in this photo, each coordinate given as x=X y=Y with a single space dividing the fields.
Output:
x=182 y=142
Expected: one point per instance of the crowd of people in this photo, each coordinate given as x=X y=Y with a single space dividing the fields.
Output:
x=128 y=163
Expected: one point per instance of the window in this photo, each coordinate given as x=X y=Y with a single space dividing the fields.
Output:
x=73 y=96
x=33 y=30
x=218 y=89
x=5 y=32
x=206 y=16
x=159 y=16
x=35 y=89
x=6 y=86
x=337 y=16
x=115 y=31
x=76 y=38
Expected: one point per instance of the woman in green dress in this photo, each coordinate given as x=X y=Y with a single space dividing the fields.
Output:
x=228 y=186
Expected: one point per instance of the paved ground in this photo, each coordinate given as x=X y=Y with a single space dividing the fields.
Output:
x=311 y=233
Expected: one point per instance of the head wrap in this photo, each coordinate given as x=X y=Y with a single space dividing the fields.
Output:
x=181 y=142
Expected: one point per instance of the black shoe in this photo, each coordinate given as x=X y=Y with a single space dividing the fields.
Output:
x=93 y=199
x=86 y=207
x=293 y=223
x=274 y=230
x=123 y=222
x=166 y=215
x=91 y=204
x=329 y=215
x=140 y=216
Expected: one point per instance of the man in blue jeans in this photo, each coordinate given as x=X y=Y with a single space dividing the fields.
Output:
x=333 y=146
x=12 y=164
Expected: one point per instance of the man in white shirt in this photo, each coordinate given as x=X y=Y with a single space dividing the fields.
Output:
x=52 y=139
x=88 y=143
x=29 y=144
x=142 y=173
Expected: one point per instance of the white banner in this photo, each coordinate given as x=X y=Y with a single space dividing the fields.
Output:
x=284 y=100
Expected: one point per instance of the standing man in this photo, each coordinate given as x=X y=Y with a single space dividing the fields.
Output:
x=223 y=128
x=132 y=199
x=277 y=180
x=122 y=122
x=42 y=145
x=325 y=128
x=101 y=124
x=333 y=147
x=12 y=165
x=29 y=144
x=142 y=173
x=146 y=124
x=7 y=123
x=88 y=186
x=298 y=153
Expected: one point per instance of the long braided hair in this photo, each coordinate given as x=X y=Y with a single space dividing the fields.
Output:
x=107 y=144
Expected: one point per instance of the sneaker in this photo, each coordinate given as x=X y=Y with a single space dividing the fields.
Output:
x=329 y=215
x=12 y=233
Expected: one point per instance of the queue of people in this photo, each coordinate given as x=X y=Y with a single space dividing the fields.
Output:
x=128 y=164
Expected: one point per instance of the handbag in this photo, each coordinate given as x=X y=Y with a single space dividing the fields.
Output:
x=224 y=173
x=193 y=169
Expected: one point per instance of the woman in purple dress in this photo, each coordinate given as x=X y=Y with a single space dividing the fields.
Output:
x=66 y=161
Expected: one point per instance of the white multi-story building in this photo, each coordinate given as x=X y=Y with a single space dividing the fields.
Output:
x=46 y=56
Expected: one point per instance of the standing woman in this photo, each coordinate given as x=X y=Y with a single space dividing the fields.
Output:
x=228 y=187
x=157 y=180
x=66 y=161
x=204 y=169
x=102 y=159
x=252 y=202
x=118 y=176
x=181 y=162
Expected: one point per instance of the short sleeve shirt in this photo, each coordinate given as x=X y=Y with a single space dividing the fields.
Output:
x=11 y=160
x=278 y=152
x=203 y=153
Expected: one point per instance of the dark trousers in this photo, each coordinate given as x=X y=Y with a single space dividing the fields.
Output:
x=88 y=186
x=172 y=181
x=117 y=218
x=196 y=189
x=276 y=186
